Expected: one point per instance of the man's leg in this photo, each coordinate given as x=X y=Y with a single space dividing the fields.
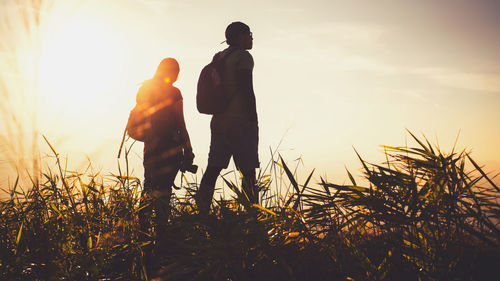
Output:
x=207 y=188
x=248 y=184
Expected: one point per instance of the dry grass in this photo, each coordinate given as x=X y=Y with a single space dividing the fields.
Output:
x=424 y=216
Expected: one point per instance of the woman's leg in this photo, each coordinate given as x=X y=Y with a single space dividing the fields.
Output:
x=156 y=198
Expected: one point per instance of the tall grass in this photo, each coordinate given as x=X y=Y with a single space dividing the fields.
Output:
x=20 y=30
x=425 y=215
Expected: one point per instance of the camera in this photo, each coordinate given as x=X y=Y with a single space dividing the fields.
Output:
x=187 y=163
x=191 y=168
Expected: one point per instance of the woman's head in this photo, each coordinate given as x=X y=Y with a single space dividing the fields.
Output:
x=168 y=70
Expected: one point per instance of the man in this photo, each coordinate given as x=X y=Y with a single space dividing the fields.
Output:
x=235 y=130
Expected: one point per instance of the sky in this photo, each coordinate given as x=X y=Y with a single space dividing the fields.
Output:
x=329 y=77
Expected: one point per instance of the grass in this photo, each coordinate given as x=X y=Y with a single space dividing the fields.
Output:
x=424 y=215
x=21 y=25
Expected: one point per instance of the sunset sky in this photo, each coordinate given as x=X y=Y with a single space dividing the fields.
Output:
x=329 y=75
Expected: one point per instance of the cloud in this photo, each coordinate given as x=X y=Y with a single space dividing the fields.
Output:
x=157 y=6
x=284 y=10
x=483 y=82
x=364 y=63
x=356 y=33
x=335 y=46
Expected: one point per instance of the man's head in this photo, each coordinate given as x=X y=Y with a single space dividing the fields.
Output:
x=238 y=34
x=168 y=70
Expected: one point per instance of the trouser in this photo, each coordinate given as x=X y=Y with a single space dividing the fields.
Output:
x=155 y=202
x=236 y=138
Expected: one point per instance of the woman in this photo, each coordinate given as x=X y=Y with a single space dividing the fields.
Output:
x=167 y=148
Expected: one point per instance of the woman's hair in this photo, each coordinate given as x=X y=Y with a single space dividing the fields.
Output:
x=168 y=68
x=234 y=30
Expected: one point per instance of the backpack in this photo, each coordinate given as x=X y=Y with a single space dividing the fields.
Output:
x=139 y=123
x=152 y=116
x=210 y=96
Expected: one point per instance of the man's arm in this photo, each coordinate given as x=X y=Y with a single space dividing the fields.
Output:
x=245 y=86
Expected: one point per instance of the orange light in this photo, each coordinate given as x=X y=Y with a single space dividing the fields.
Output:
x=167 y=80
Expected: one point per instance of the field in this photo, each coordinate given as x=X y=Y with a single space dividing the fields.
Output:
x=424 y=215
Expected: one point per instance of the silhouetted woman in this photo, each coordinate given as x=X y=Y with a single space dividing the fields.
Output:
x=167 y=147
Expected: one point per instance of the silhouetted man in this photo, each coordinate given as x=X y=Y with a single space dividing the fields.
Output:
x=235 y=131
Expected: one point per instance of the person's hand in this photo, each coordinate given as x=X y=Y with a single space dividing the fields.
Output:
x=187 y=162
x=188 y=156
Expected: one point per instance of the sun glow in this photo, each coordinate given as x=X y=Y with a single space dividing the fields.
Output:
x=79 y=64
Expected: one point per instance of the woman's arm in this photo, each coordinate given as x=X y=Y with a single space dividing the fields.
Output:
x=181 y=125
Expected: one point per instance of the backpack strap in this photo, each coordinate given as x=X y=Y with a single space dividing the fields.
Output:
x=222 y=55
x=219 y=59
